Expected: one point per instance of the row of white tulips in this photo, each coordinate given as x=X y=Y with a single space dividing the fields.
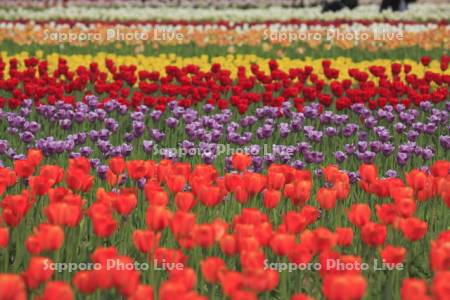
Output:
x=418 y=12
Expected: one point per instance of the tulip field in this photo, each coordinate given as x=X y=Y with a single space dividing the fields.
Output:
x=244 y=151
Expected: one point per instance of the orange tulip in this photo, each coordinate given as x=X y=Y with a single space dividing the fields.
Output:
x=241 y=161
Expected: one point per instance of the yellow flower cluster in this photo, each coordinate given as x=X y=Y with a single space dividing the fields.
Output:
x=229 y=62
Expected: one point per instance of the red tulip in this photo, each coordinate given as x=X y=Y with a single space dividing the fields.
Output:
x=117 y=165
x=176 y=183
x=271 y=198
x=39 y=271
x=45 y=238
x=275 y=180
x=125 y=202
x=185 y=201
x=4 y=237
x=425 y=60
x=359 y=214
x=204 y=235
x=241 y=195
x=143 y=292
x=295 y=222
x=344 y=236
x=64 y=214
x=84 y=282
x=78 y=180
x=12 y=287
x=254 y=182
x=326 y=198
x=440 y=168
x=146 y=241
x=137 y=169
x=14 y=208
x=440 y=252
x=210 y=195
x=54 y=173
x=81 y=164
x=413 y=288
x=24 y=168
x=441 y=285
x=232 y=181
x=393 y=255
x=40 y=185
x=228 y=245
x=158 y=217
x=373 y=234
x=405 y=207
x=231 y=281
x=338 y=287
x=281 y=244
x=301 y=296
x=386 y=213
x=211 y=268
x=368 y=173
x=55 y=290
x=413 y=229
x=182 y=224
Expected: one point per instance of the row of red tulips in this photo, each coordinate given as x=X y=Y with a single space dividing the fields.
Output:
x=376 y=86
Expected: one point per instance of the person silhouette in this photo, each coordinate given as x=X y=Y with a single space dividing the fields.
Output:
x=339 y=4
x=395 y=5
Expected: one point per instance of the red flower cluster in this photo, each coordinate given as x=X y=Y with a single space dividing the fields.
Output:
x=189 y=85
x=250 y=237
